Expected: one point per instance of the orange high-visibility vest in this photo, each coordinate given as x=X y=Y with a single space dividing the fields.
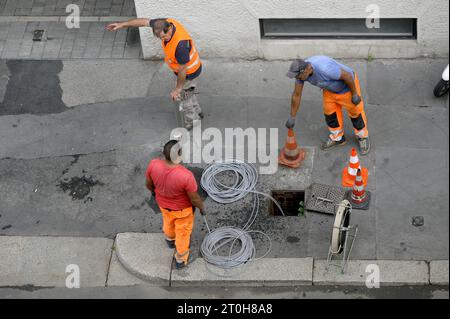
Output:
x=180 y=35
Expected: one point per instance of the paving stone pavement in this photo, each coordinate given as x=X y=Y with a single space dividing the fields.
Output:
x=90 y=41
x=19 y=20
x=58 y=7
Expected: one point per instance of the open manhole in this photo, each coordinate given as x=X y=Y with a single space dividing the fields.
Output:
x=291 y=201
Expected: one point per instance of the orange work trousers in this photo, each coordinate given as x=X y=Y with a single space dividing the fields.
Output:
x=177 y=226
x=332 y=109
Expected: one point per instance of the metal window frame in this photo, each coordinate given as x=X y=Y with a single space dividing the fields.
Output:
x=358 y=36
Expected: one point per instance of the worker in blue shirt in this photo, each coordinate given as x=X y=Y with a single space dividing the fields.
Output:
x=341 y=88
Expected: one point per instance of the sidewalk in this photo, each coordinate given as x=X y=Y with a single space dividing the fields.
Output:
x=19 y=20
x=58 y=7
x=144 y=259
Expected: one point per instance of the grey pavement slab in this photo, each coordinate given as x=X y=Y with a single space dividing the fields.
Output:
x=412 y=182
x=42 y=261
x=439 y=272
x=94 y=128
x=118 y=276
x=391 y=273
x=259 y=273
x=408 y=127
x=146 y=256
x=103 y=81
x=95 y=195
x=394 y=82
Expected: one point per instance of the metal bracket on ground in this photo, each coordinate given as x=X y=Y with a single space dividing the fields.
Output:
x=342 y=237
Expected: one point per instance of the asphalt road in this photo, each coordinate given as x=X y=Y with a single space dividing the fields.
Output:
x=306 y=292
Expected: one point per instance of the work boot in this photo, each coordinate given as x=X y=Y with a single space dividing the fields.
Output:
x=330 y=143
x=180 y=265
x=364 y=145
x=170 y=243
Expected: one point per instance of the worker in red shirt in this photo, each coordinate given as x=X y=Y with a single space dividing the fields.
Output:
x=175 y=191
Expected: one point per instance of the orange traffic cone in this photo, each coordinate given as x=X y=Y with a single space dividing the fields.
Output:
x=359 y=198
x=349 y=173
x=291 y=155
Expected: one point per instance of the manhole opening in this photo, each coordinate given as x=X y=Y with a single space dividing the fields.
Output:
x=289 y=200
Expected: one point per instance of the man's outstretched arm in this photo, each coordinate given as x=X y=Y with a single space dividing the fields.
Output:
x=134 y=23
x=295 y=104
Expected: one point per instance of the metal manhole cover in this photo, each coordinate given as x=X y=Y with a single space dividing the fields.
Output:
x=418 y=221
x=39 y=35
x=323 y=198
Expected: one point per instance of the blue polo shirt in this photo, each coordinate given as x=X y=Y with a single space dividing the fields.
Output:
x=326 y=74
x=182 y=52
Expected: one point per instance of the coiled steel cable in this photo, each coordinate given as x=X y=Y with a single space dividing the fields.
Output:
x=246 y=178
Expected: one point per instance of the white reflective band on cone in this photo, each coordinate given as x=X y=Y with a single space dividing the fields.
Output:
x=352 y=171
x=353 y=159
x=291 y=153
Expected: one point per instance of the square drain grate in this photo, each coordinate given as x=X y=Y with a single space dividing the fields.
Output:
x=324 y=198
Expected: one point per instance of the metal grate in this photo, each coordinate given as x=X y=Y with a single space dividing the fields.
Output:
x=324 y=198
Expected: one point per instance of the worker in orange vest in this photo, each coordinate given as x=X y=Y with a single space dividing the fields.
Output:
x=181 y=55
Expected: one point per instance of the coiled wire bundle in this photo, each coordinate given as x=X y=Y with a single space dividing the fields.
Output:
x=246 y=178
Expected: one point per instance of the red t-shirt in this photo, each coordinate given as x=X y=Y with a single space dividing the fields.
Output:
x=171 y=184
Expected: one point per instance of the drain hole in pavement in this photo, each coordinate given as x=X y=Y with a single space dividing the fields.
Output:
x=289 y=200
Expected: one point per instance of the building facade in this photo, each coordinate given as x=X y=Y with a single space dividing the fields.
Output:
x=285 y=29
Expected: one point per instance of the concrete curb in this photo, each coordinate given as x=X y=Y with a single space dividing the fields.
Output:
x=146 y=256
x=391 y=273
x=261 y=273
x=268 y=271
x=118 y=276
x=439 y=272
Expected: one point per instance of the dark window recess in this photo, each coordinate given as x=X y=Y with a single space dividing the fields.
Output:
x=403 y=28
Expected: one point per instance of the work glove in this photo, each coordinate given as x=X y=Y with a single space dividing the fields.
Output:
x=290 y=122
x=356 y=99
x=202 y=212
